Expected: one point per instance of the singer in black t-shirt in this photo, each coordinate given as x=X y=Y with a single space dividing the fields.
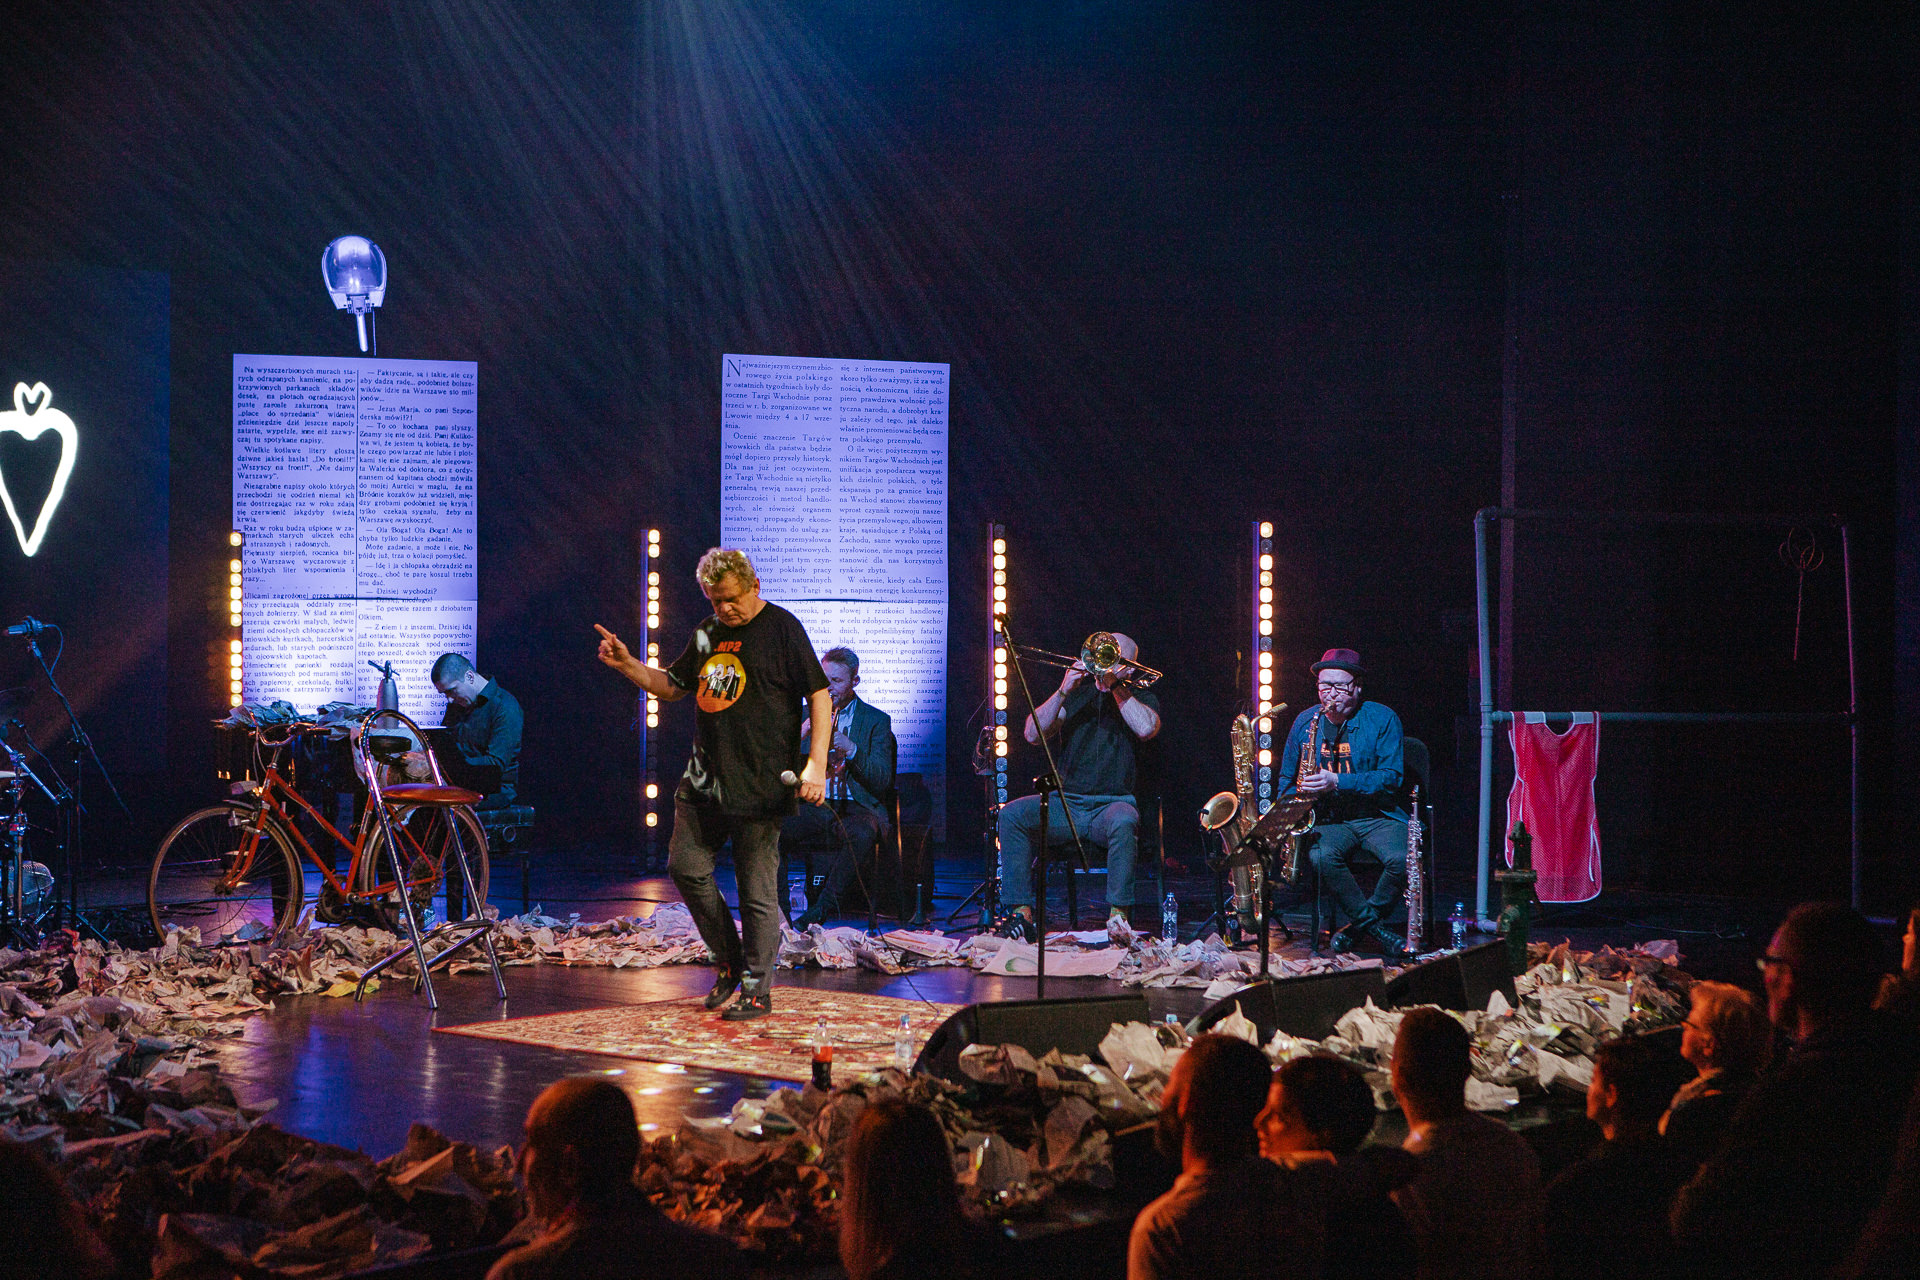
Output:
x=753 y=676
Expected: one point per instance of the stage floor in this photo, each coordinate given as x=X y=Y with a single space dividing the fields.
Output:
x=358 y=1075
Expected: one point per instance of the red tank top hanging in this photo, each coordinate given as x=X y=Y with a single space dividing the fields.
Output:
x=1552 y=793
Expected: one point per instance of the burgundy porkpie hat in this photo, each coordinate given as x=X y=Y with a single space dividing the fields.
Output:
x=1340 y=660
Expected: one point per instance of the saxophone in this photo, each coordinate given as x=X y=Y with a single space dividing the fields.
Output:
x=1243 y=863
x=1295 y=840
x=1416 y=879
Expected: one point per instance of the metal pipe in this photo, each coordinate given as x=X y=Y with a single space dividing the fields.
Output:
x=1853 y=715
x=1659 y=517
x=1695 y=717
x=1483 y=868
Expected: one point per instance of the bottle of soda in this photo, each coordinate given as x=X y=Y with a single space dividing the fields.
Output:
x=1170 y=920
x=822 y=1056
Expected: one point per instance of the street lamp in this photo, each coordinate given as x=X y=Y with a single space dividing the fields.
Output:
x=355 y=273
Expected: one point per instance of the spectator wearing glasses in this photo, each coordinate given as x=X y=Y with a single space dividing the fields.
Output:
x=1807 y=1155
x=1728 y=1040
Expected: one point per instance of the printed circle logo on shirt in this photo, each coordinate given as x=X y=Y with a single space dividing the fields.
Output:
x=722 y=680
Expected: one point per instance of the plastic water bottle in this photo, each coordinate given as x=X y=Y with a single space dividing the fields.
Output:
x=903 y=1045
x=822 y=1057
x=797 y=898
x=1170 y=920
x=1459 y=922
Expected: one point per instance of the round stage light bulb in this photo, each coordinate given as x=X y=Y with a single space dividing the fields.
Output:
x=1266 y=724
x=653 y=791
x=1266 y=528
x=653 y=651
x=233 y=566
x=1000 y=732
x=1266 y=579
x=653 y=535
x=1266 y=757
x=999 y=607
x=234 y=688
x=999 y=686
x=234 y=645
x=235 y=538
x=653 y=722
x=233 y=579
x=1266 y=560
x=653 y=578
x=653 y=819
x=1266 y=595
x=999 y=546
x=234 y=621
x=1266 y=626
x=1266 y=611
x=999 y=562
x=999 y=671
x=653 y=550
x=999 y=702
x=1001 y=749
x=1266 y=660
x=1265 y=706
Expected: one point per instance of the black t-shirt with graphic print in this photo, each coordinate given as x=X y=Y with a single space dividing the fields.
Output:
x=751 y=686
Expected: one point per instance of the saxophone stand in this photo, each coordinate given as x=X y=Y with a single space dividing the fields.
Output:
x=1048 y=785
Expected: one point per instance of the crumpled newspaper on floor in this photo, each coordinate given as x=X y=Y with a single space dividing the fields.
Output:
x=1569 y=1002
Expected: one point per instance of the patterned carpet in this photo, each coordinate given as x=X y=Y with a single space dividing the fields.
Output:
x=779 y=1046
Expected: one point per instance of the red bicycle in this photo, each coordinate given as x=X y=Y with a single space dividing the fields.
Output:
x=233 y=870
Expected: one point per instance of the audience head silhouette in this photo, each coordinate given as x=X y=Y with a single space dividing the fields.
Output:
x=1725 y=1030
x=582 y=1144
x=1214 y=1096
x=1634 y=1078
x=1316 y=1103
x=1432 y=1058
x=41 y=1224
x=899 y=1203
x=1823 y=965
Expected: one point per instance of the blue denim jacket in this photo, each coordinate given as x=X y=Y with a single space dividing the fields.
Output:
x=1365 y=752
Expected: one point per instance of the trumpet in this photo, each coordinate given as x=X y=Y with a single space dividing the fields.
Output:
x=1099 y=657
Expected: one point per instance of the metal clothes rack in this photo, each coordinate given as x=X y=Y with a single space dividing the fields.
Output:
x=1490 y=716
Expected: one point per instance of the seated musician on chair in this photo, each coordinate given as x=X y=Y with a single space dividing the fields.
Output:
x=860 y=765
x=487 y=722
x=1098 y=722
x=1355 y=780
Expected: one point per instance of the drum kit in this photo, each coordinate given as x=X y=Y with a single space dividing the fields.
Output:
x=26 y=887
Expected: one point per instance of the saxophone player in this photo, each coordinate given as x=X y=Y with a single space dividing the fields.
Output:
x=1355 y=784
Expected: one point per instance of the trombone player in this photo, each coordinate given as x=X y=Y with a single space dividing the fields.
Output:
x=1097 y=719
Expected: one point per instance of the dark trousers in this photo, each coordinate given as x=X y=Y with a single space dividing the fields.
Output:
x=814 y=828
x=1332 y=849
x=692 y=851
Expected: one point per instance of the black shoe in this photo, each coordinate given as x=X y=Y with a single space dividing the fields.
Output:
x=724 y=984
x=1345 y=940
x=1018 y=925
x=1391 y=944
x=810 y=917
x=756 y=1001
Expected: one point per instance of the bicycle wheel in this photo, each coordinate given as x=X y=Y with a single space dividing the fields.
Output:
x=425 y=851
x=213 y=874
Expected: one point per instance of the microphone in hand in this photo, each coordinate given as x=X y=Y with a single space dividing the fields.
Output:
x=788 y=778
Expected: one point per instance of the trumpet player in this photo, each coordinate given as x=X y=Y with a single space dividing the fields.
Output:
x=1097 y=719
x=1355 y=783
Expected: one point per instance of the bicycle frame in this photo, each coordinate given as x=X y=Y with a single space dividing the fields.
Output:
x=266 y=799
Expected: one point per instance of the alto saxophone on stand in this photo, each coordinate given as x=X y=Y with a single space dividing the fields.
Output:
x=1416 y=879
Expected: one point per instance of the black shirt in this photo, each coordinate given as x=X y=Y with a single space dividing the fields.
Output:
x=1096 y=751
x=750 y=684
x=488 y=732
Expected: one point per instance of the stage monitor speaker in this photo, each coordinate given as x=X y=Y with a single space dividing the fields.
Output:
x=1463 y=980
x=1307 y=1006
x=1074 y=1025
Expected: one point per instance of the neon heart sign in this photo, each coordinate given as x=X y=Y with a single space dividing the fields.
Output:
x=28 y=424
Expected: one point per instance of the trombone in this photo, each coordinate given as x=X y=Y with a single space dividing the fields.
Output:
x=1099 y=657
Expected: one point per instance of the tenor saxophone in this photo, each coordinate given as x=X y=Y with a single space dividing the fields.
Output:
x=1416 y=879
x=1295 y=839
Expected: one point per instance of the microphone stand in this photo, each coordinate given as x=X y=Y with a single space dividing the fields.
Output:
x=1047 y=785
x=83 y=749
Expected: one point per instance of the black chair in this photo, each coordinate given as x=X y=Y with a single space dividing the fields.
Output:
x=1417 y=772
x=1060 y=849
